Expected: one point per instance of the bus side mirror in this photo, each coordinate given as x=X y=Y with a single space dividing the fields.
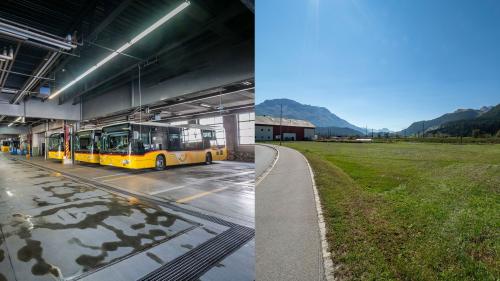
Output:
x=136 y=135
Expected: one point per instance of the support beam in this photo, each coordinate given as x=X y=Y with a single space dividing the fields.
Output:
x=39 y=109
x=4 y=130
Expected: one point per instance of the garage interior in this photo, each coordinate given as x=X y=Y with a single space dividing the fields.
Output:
x=74 y=65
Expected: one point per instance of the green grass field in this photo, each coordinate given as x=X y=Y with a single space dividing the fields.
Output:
x=410 y=211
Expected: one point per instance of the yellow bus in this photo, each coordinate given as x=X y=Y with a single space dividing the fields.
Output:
x=5 y=146
x=156 y=145
x=87 y=145
x=56 y=146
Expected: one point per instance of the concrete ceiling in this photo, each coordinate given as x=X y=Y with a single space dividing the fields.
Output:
x=98 y=26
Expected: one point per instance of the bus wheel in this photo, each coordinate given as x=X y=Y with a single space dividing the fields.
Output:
x=160 y=163
x=208 y=159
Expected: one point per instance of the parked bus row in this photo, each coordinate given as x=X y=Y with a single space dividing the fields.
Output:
x=14 y=146
x=142 y=145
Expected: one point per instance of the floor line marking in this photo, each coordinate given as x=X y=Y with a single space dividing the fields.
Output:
x=227 y=176
x=205 y=179
x=168 y=189
x=119 y=178
x=201 y=194
x=113 y=175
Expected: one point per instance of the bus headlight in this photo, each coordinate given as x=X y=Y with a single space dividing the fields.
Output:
x=125 y=162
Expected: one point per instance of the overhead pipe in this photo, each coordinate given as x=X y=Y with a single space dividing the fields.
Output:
x=33 y=81
x=3 y=67
x=7 y=70
x=29 y=75
x=23 y=33
x=7 y=56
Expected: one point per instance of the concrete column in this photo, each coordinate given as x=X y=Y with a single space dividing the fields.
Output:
x=235 y=150
x=231 y=129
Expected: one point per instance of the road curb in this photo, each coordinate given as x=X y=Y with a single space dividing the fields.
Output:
x=270 y=168
x=327 y=259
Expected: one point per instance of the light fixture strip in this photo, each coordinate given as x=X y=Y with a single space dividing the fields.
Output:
x=125 y=46
x=17 y=119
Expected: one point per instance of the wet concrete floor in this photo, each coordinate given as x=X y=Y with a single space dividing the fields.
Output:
x=225 y=188
x=56 y=228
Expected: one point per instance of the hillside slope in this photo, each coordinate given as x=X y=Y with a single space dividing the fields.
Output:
x=486 y=123
x=319 y=116
x=461 y=114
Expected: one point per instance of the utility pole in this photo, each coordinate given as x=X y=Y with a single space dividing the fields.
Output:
x=461 y=132
x=423 y=131
x=372 y=133
x=281 y=117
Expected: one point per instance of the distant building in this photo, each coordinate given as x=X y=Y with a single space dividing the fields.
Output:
x=268 y=128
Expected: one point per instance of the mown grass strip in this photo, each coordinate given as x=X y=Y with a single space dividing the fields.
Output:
x=409 y=211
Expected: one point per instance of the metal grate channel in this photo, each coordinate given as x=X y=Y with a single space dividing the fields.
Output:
x=196 y=262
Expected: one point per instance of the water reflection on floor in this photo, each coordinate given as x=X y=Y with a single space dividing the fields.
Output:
x=54 y=228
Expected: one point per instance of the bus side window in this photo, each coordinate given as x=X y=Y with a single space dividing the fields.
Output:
x=207 y=137
x=158 y=138
x=174 y=138
x=191 y=139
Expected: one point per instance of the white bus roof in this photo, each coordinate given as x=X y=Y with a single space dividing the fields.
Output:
x=88 y=130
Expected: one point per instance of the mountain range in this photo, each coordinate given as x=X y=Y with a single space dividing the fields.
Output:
x=485 y=119
x=486 y=122
x=319 y=116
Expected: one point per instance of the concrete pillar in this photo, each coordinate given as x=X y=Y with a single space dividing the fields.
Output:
x=231 y=130
x=235 y=150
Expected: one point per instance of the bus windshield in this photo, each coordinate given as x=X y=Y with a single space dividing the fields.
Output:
x=83 y=141
x=115 y=139
x=55 y=142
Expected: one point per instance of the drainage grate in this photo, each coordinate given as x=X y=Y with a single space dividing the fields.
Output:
x=196 y=262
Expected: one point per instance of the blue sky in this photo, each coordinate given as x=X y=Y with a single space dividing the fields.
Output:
x=379 y=63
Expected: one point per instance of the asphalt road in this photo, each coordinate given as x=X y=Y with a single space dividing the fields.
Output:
x=288 y=243
x=266 y=159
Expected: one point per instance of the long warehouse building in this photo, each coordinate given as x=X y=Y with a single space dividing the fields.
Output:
x=269 y=128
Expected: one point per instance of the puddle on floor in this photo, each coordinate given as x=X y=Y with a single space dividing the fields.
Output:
x=65 y=241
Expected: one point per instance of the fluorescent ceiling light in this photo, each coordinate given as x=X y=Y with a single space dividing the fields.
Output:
x=17 y=120
x=205 y=105
x=124 y=47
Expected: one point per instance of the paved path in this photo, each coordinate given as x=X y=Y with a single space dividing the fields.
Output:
x=288 y=243
x=266 y=159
